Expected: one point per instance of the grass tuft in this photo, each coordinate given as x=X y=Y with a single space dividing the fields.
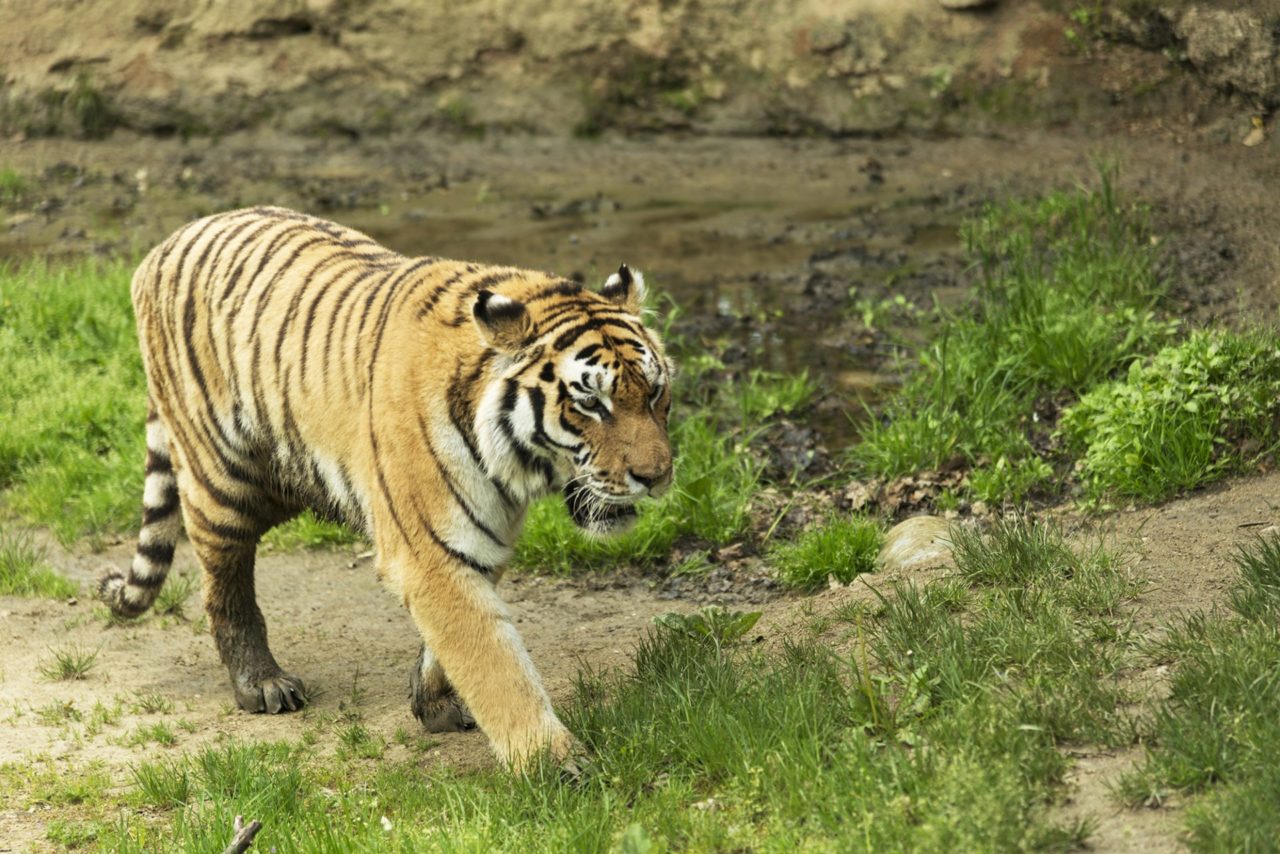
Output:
x=23 y=571
x=841 y=549
x=70 y=663
x=173 y=596
x=1216 y=731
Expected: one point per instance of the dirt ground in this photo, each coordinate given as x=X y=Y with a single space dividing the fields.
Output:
x=332 y=624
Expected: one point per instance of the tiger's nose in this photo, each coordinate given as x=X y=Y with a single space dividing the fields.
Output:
x=654 y=480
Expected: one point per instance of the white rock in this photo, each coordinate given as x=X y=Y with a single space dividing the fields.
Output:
x=917 y=543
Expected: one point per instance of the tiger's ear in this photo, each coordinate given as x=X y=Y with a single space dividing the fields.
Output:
x=503 y=322
x=626 y=288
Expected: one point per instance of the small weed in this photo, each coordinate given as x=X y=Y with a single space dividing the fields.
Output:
x=457 y=114
x=69 y=663
x=152 y=704
x=173 y=596
x=355 y=740
x=762 y=394
x=59 y=712
x=163 y=784
x=158 y=733
x=13 y=187
x=103 y=715
x=841 y=549
x=72 y=834
x=23 y=571
x=712 y=623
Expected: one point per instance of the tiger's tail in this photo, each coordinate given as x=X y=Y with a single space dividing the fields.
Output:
x=130 y=594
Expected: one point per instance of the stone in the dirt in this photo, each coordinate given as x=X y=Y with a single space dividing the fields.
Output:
x=1256 y=136
x=917 y=543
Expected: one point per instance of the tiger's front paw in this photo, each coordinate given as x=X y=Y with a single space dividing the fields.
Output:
x=273 y=695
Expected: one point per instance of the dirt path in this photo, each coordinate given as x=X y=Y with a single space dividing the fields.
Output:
x=333 y=624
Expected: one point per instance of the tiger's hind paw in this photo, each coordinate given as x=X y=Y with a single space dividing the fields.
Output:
x=445 y=713
x=273 y=695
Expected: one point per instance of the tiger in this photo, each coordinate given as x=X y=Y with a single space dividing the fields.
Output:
x=293 y=363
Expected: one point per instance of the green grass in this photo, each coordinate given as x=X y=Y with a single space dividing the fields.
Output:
x=936 y=723
x=72 y=398
x=715 y=420
x=1194 y=412
x=1215 y=734
x=13 y=186
x=1062 y=371
x=1065 y=298
x=69 y=663
x=842 y=548
x=714 y=482
x=23 y=571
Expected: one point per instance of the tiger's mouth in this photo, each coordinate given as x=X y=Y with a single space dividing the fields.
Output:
x=595 y=515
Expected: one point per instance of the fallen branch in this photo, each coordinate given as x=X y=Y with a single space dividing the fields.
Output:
x=244 y=836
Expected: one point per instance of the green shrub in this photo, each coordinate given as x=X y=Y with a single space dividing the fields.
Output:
x=1196 y=411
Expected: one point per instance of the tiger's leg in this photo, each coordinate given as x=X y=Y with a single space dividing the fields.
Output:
x=433 y=699
x=466 y=625
x=225 y=540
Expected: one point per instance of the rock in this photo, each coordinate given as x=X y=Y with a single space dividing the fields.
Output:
x=1232 y=49
x=828 y=36
x=1254 y=137
x=917 y=543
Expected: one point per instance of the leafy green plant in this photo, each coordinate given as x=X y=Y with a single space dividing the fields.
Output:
x=712 y=623
x=12 y=186
x=1195 y=411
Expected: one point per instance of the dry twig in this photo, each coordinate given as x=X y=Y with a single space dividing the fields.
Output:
x=244 y=836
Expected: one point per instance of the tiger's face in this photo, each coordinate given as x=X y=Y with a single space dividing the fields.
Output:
x=585 y=400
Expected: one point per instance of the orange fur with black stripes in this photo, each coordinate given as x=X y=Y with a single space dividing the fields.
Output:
x=293 y=363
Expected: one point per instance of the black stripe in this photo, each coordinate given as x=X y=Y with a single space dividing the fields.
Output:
x=159 y=553
x=540 y=437
x=453 y=487
x=462 y=313
x=146 y=582
x=151 y=515
x=228 y=533
x=158 y=463
x=562 y=288
x=575 y=332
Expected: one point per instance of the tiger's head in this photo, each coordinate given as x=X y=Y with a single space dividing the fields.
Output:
x=582 y=397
